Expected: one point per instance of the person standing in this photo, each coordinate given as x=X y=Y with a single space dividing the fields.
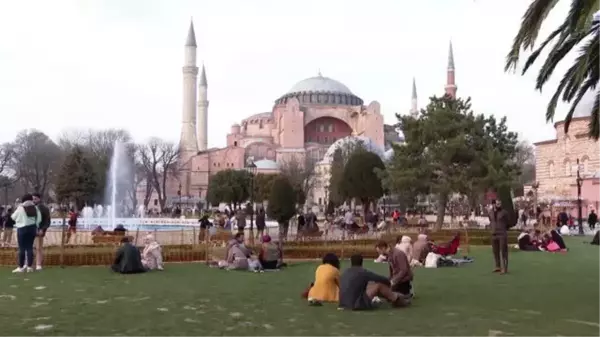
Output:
x=499 y=226
x=261 y=223
x=72 y=222
x=44 y=225
x=592 y=219
x=27 y=219
x=7 y=227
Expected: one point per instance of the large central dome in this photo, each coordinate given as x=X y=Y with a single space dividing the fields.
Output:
x=321 y=90
x=320 y=84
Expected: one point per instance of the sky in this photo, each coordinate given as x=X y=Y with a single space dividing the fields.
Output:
x=80 y=64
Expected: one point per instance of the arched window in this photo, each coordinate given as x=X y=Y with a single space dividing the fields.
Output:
x=567 y=167
x=551 y=169
x=585 y=165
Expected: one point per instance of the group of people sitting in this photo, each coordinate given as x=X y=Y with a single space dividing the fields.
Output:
x=240 y=257
x=129 y=259
x=416 y=253
x=533 y=240
x=358 y=288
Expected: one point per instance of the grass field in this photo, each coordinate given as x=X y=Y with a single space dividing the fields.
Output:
x=544 y=294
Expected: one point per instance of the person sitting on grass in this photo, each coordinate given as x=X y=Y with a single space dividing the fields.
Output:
x=361 y=289
x=128 y=259
x=404 y=243
x=421 y=248
x=326 y=287
x=152 y=254
x=596 y=239
x=237 y=254
x=401 y=274
x=269 y=256
x=525 y=243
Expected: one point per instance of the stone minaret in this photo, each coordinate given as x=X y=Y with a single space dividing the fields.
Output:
x=450 y=80
x=188 y=143
x=202 y=130
x=414 y=108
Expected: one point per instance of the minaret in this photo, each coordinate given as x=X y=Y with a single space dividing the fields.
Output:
x=414 y=109
x=188 y=143
x=202 y=130
x=450 y=80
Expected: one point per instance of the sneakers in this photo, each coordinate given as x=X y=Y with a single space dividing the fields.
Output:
x=23 y=270
x=314 y=303
x=38 y=268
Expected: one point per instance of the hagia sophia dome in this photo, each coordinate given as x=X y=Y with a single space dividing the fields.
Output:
x=350 y=141
x=321 y=90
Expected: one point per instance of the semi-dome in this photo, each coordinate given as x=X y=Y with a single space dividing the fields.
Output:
x=347 y=143
x=321 y=90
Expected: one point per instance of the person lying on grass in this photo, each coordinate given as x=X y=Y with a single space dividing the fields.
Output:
x=361 y=289
x=327 y=280
x=128 y=259
x=401 y=274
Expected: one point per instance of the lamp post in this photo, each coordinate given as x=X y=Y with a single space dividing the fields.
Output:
x=579 y=210
x=251 y=168
x=201 y=205
x=535 y=187
x=179 y=195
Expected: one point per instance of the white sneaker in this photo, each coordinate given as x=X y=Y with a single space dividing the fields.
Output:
x=19 y=270
x=29 y=270
x=38 y=268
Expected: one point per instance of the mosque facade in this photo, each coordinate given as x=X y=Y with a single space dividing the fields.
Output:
x=556 y=165
x=304 y=123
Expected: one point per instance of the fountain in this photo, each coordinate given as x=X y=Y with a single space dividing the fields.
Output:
x=118 y=184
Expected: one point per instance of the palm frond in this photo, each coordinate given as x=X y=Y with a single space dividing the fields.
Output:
x=581 y=14
x=556 y=55
x=551 y=109
x=530 y=27
x=587 y=68
x=531 y=59
x=594 y=124
x=590 y=83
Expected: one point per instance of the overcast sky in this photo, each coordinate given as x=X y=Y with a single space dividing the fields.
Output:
x=117 y=63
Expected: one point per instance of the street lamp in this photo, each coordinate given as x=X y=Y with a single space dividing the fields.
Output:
x=579 y=181
x=251 y=168
x=179 y=194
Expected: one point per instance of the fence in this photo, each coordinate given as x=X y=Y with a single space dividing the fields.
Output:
x=192 y=244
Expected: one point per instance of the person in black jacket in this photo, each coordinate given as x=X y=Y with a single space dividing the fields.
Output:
x=592 y=219
x=360 y=288
x=7 y=226
x=44 y=225
x=128 y=259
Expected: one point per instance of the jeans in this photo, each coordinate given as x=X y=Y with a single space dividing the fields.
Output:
x=500 y=250
x=25 y=238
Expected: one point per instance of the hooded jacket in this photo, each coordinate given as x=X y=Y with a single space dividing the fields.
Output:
x=27 y=214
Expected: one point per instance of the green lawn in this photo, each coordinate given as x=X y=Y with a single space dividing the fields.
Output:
x=545 y=294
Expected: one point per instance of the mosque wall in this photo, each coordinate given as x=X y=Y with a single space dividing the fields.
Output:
x=556 y=159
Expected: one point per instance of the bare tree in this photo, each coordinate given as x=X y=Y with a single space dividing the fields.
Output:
x=6 y=155
x=35 y=160
x=159 y=159
x=138 y=175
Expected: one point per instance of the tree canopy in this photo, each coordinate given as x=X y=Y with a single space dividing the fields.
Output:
x=448 y=149
x=282 y=200
x=360 y=179
x=229 y=186
x=76 y=180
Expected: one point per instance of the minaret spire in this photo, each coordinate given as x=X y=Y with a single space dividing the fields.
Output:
x=202 y=126
x=450 y=75
x=191 y=37
x=414 y=109
x=188 y=142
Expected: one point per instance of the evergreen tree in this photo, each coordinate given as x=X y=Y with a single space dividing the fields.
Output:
x=282 y=200
x=229 y=186
x=361 y=180
x=76 y=180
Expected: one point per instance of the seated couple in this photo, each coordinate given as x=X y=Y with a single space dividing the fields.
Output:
x=128 y=259
x=533 y=241
x=415 y=253
x=358 y=288
x=239 y=257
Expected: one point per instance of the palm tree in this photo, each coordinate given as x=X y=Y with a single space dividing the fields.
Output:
x=580 y=28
